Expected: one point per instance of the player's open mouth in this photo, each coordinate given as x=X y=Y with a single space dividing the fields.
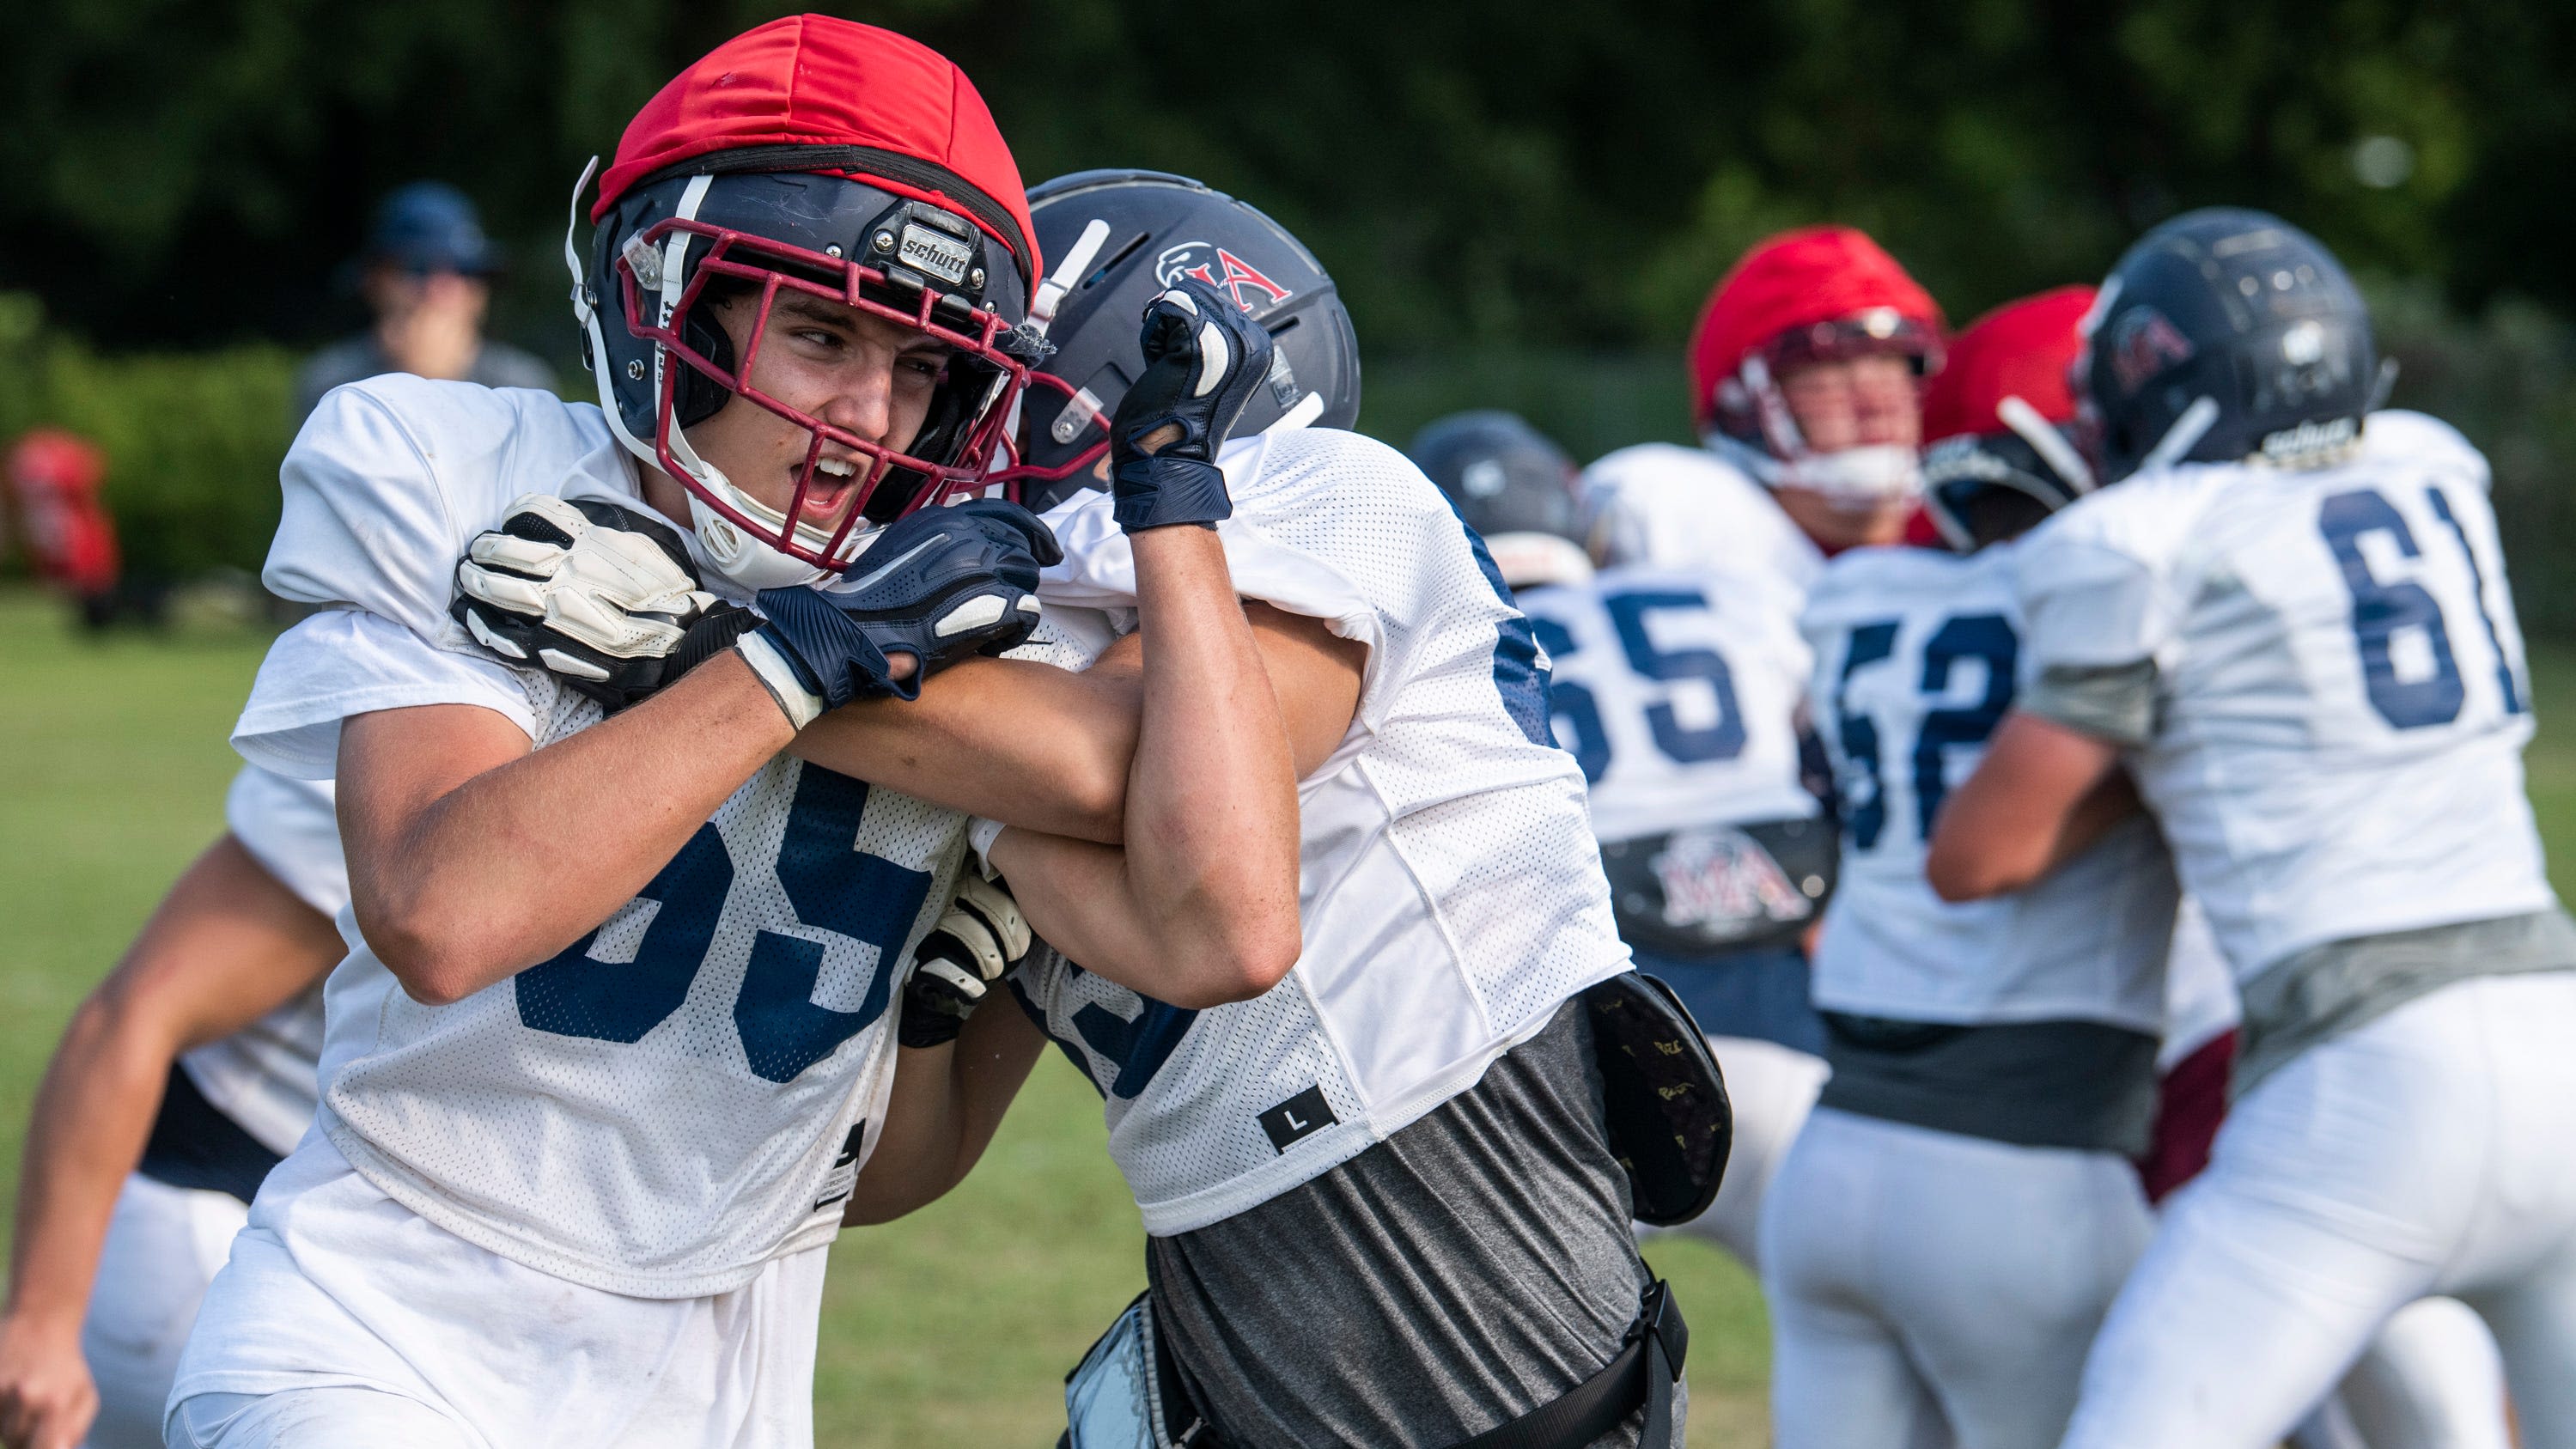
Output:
x=829 y=493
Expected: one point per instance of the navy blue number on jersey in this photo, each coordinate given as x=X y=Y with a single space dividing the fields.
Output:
x=1578 y=714
x=2381 y=609
x=1986 y=638
x=837 y=891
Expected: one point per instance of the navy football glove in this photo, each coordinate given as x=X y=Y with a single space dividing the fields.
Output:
x=979 y=937
x=1204 y=356
x=600 y=596
x=940 y=585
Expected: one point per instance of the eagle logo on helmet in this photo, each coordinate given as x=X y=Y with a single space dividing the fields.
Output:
x=2144 y=344
x=1217 y=267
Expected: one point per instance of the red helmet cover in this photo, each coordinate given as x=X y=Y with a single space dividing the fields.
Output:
x=815 y=80
x=2023 y=349
x=1797 y=279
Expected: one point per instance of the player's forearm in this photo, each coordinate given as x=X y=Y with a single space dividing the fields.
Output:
x=1211 y=830
x=947 y=1103
x=2037 y=799
x=92 y=1115
x=1024 y=743
x=513 y=865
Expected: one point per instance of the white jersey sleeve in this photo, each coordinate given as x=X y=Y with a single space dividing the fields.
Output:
x=1664 y=506
x=2339 y=705
x=387 y=482
x=262 y=1076
x=1917 y=660
x=1450 y=893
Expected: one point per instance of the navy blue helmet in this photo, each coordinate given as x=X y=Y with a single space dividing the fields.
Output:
x=2227 y=333
x=1501 y=474
x=1115 y=240
x=1514 y=487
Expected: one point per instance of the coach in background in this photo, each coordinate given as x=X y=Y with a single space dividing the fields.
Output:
x=426 y=275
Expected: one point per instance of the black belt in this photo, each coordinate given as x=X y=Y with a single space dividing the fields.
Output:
x=1647 y=1367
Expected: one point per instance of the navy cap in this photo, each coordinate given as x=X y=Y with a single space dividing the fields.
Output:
x=429 y=226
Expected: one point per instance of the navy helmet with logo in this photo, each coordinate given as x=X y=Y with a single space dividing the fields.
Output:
x=1118 y=238
x=2223 y=334
x=1514 y=486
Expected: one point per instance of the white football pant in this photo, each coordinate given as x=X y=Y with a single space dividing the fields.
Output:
x=164 y=1245
x=1930 y=1287
x=1772 y=1088
x=2427 y=1152
x=2431 y=1380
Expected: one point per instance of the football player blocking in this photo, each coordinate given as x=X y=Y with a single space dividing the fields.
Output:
x=2293 y=624
x=601 y=1079
x=1995 y=1061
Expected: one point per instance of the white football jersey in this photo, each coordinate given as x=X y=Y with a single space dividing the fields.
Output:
x=2200 y=992
x=1673 y=507
x=1450 y=893
x=1916 y=657
x=2339 y=690
x=1678 y=692
x=688 y=1090
x=262 y=1075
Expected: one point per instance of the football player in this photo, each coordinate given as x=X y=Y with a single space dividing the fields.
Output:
x=1805 y=368
x=619 y=1020
x=180 y=1082
x=1959 y=1209
x=2292 y=622
x=1380 y=1203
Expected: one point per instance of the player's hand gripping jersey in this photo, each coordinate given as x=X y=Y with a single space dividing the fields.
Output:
x=1916 y=655
x=2321 y=677
x=1680 y=703
x=1450 y=894
x=687 y=1091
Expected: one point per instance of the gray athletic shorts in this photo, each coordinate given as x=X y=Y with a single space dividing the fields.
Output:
x=1471 y=1267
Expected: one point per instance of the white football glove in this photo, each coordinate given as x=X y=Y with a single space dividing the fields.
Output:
x=599 y=595
x=980 y=937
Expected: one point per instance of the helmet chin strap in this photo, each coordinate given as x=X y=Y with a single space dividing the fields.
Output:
x=1855 y=478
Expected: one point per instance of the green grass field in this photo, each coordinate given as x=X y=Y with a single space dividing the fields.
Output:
x=954 y=1326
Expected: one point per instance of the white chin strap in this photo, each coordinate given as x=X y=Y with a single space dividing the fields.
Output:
x=1537 y=560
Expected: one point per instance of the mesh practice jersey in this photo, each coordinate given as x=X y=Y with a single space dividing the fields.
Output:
x=1450 y=891
x=1916 y=654
x=262 y=1075
x=2339 y=698
x=688 y=1090
x=1678 y=693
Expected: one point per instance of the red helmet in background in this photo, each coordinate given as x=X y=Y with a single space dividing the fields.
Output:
x=817 y=156
x=1999 y=413
x=1816 y=294
x=56 y=477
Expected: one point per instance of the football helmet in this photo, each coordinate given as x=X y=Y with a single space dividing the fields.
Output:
x=1119 y=238
x=2224 y=334
x=1816 y=294
x=1512 y=486
x=1999 y=415
x=816 y=156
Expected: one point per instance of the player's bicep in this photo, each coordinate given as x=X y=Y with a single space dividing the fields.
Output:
x=394 y=764
x=1317 y=676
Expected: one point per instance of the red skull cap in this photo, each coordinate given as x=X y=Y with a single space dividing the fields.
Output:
x=1796 y=279
x=52 y=458
x=2021 y=349
x=814 y=80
